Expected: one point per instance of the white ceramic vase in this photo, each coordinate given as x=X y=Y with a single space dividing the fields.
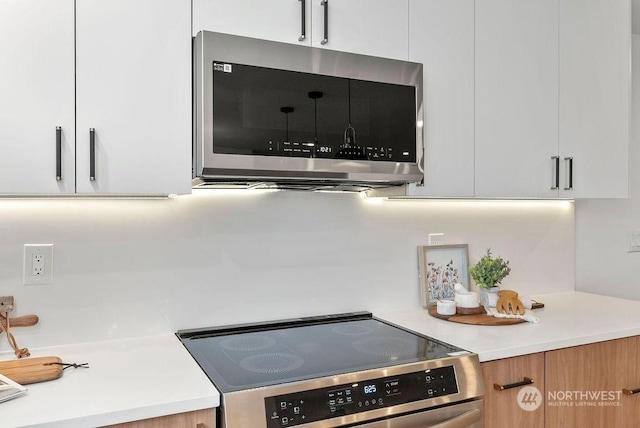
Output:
x=485 y=298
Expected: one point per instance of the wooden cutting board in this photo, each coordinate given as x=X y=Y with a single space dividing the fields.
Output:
x=478 y=319
x=31 y=370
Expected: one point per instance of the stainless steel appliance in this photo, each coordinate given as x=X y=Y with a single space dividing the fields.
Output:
x=276 y=114
x=337 y=370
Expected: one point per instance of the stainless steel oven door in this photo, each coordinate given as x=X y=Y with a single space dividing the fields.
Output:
x=465 y=415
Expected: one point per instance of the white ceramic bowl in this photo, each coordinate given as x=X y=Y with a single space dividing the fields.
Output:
x=446 y=307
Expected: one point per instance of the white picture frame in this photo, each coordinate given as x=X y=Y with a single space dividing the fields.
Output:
x=440 y=268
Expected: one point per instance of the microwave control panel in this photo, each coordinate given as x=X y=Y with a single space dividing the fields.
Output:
x=307 y=149
x=340 y=400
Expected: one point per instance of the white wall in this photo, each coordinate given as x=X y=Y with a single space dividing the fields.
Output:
x=125 y=268
x=602 y=263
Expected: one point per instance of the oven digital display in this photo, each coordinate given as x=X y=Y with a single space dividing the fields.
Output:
x=341 y=400
x=369 y=389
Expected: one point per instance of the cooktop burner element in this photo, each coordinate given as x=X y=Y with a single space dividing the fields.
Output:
x=248 y=344
x=352 y=329
x=387 y=346
x=272 y=362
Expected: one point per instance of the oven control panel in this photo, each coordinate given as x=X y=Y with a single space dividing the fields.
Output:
x=346 y=399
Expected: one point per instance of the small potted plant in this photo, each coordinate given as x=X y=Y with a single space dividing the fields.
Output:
x=488 y=273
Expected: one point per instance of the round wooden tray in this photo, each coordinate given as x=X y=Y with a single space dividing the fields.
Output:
x=478 y=319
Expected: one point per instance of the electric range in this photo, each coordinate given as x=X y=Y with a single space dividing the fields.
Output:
x=336 y=370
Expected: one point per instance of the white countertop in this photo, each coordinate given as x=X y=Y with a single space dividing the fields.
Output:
x=568 y=319
x=146 y=377
x=127 y=380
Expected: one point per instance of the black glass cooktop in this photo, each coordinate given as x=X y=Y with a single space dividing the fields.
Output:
x=249 y=356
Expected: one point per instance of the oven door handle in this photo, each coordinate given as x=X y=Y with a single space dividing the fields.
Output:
x=462 y=421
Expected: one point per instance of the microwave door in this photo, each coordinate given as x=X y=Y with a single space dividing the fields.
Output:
x=267 y=112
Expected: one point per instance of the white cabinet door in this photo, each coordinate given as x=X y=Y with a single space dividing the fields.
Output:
x=36 y=96
x=441 y=37
x=278 y=20
x=516 y=97
x=133 y=78
x=595 y=53
x=369 y=27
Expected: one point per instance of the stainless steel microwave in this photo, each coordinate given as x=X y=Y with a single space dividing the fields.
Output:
x=276 y=114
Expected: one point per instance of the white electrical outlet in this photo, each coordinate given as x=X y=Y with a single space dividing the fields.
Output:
x=436 y=238
x=38 y=264
x=633 y=240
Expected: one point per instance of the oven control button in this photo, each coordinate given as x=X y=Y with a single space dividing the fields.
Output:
x=285 y=420
x=296 y=410
x=283 y=405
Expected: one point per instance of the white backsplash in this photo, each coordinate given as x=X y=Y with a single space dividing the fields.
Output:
x=126 y=268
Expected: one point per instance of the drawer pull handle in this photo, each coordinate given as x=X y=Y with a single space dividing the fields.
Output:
x=626 y=391
x=525 y=381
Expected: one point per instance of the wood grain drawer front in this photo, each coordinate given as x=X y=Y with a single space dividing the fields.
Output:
x=585 y=383
x=197 y=419
x=502 y=408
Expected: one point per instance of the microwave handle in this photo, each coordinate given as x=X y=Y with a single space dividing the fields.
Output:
x=303 y=20
x=325 y=4
x=462 y=421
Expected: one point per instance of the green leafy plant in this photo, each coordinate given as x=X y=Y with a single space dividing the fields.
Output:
x=489 y=271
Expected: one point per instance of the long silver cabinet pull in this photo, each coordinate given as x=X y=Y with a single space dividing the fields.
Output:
x=569 y=162
x=303 y=20
x=525 y=381
x=92 y=154
x=58 y=153
x=556 y=173
x=325 y=4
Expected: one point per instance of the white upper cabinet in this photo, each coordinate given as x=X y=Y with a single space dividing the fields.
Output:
x=516 y=97
x=131 y=83
x=36 y=97
x=595 y=55
x=133 y=79
x=286 y=21
x=371 y=27
x=524 y=98
x=441 y=37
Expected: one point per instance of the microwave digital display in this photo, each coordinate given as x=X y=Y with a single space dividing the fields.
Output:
x=271 y=112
